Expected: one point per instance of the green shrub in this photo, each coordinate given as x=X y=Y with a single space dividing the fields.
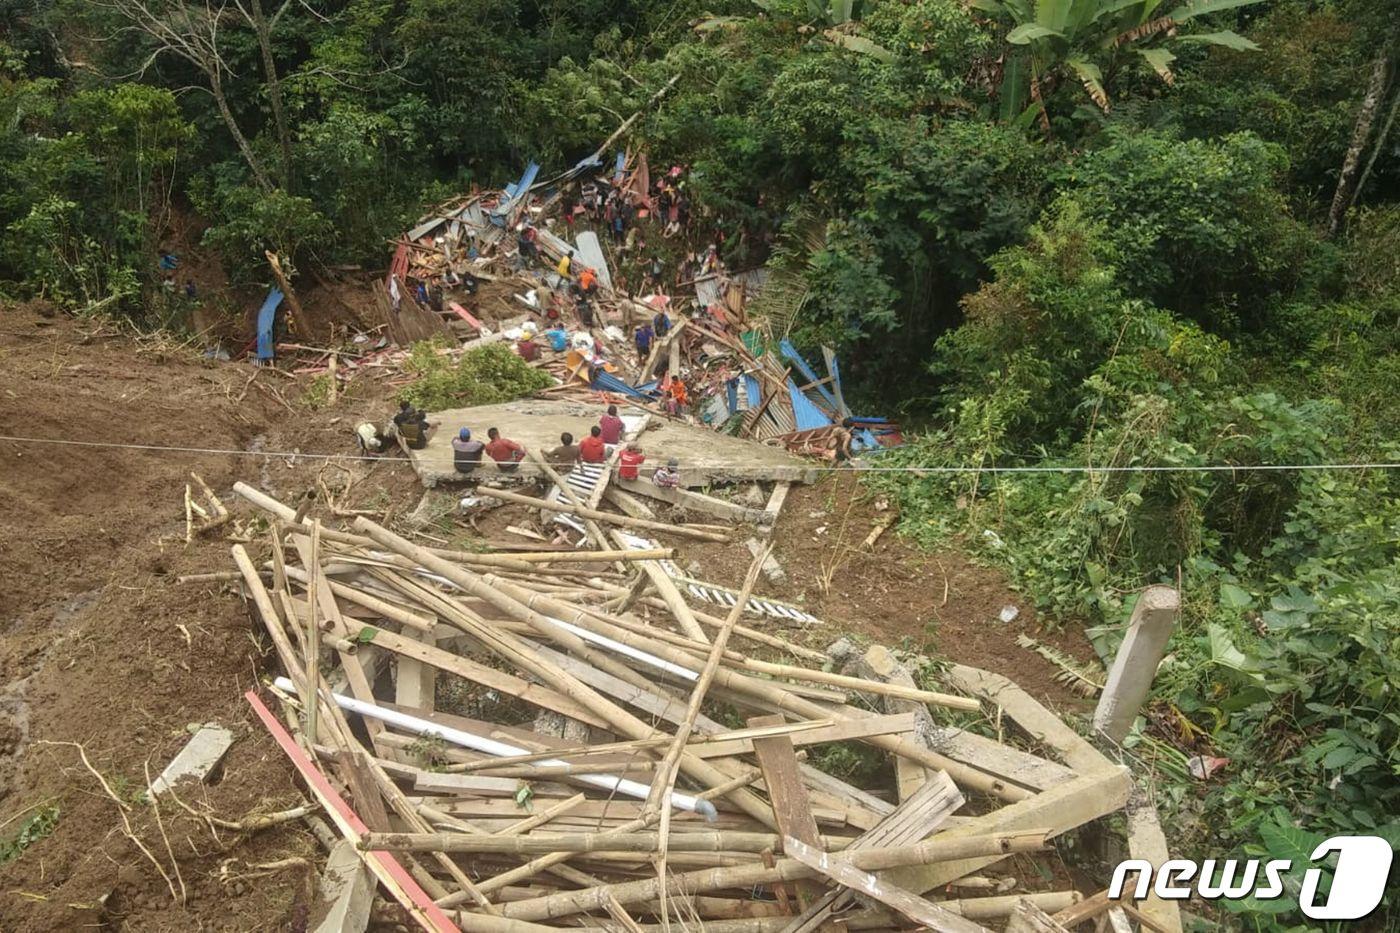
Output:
x=483 y=376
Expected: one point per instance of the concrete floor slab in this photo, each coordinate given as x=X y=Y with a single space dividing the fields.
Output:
x=705 y=456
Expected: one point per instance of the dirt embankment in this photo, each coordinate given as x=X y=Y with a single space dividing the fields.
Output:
x=101 y=648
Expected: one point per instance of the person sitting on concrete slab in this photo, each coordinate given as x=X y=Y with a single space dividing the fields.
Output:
x=466 y=452
x=668 y=476
x=412 y=426
x=507 y=453
x=372 y=440
x=564 y=456
x=592 y=449
x=630 y=460
x=611 y=426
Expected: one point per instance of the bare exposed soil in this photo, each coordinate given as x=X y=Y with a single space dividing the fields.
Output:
x=99 y=646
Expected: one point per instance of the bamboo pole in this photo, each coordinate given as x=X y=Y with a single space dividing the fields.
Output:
x=773 y=693
x=624 y=520
x=543 y=843
x=511 y=648
x=785 y=869
x=671 y=596
x=313 y=636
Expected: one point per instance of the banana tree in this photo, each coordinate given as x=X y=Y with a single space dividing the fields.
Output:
x=1051 y=39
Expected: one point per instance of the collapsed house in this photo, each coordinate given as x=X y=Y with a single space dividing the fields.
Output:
x=739 y=377
x=637 y=747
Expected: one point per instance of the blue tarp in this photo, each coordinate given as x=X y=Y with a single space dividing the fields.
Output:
x=805 y=412
x=267 y=317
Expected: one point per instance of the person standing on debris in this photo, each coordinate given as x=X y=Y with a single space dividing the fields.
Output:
x=526 y=241
x=611 y=426
x=507 y=453
x=668 y=476
x=466 y=452
x=566 y=264
x=592 y=449
x=630 y=460
x=839 y=444
x=412 y=426
x=585 y=312
x=564 y=456
x=661 y=323
x=588 y=281
x=643 y=339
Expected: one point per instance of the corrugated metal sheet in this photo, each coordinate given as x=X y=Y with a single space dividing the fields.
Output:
x=791 y=353
x=589 y=252
x=607 y=382
x=806 y=413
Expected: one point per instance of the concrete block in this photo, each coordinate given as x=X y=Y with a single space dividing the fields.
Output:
x=772 y=570
x=200 y=756
x=1134 y=667
x=347 y=893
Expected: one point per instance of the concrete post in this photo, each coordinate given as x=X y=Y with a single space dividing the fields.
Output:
x=347 y=893
x=1130 y=678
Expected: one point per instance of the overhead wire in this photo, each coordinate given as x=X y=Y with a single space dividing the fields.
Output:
x=914 y=470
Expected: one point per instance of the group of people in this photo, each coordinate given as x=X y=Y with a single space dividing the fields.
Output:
x=595 y=447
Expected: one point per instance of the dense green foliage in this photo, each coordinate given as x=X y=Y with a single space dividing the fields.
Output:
x=482 y=376
x=1060 y=233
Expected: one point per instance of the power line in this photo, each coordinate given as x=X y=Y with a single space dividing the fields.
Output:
x=915 y=470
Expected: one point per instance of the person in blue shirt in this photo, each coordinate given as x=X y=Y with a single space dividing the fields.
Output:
x=643 y=338
x=558 y=338
x=661 y=323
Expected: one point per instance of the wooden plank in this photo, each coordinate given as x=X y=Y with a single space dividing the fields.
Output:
x=1002 y=761
x=777 y=759
x=385 y=867
x=907 y=903
x=1037 y=721
x=930 y=807
x=486 y=676
x=1055 y=811
x=695 y=501
x=658 y=704
x=363 y=791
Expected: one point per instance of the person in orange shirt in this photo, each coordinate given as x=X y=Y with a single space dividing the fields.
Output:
x=588 y=281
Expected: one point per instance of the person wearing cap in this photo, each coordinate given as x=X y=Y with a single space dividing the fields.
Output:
x=668 y=476
x=466 y=452
x=506 y=452
x=630 y=460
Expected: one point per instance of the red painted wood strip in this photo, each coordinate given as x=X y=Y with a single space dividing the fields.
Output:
x=384 y=865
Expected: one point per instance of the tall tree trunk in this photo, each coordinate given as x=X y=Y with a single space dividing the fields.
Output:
x=274 y=92
x=216 y=88
x=1365 y=119
x=1377 y=146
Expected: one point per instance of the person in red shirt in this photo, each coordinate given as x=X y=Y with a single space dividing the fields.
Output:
x=505 y=452
x=611 y=426
x=629 y=460
x=591 y=449
x=527 y=348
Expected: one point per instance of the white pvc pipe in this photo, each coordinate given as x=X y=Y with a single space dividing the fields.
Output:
x=501 y=750
x=617 y=646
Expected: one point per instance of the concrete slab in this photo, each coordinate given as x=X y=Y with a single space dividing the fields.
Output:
x=705 y=456
x=347 y=892
x=199 y=756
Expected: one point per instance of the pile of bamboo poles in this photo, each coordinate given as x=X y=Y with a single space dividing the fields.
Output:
x=667 y=779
